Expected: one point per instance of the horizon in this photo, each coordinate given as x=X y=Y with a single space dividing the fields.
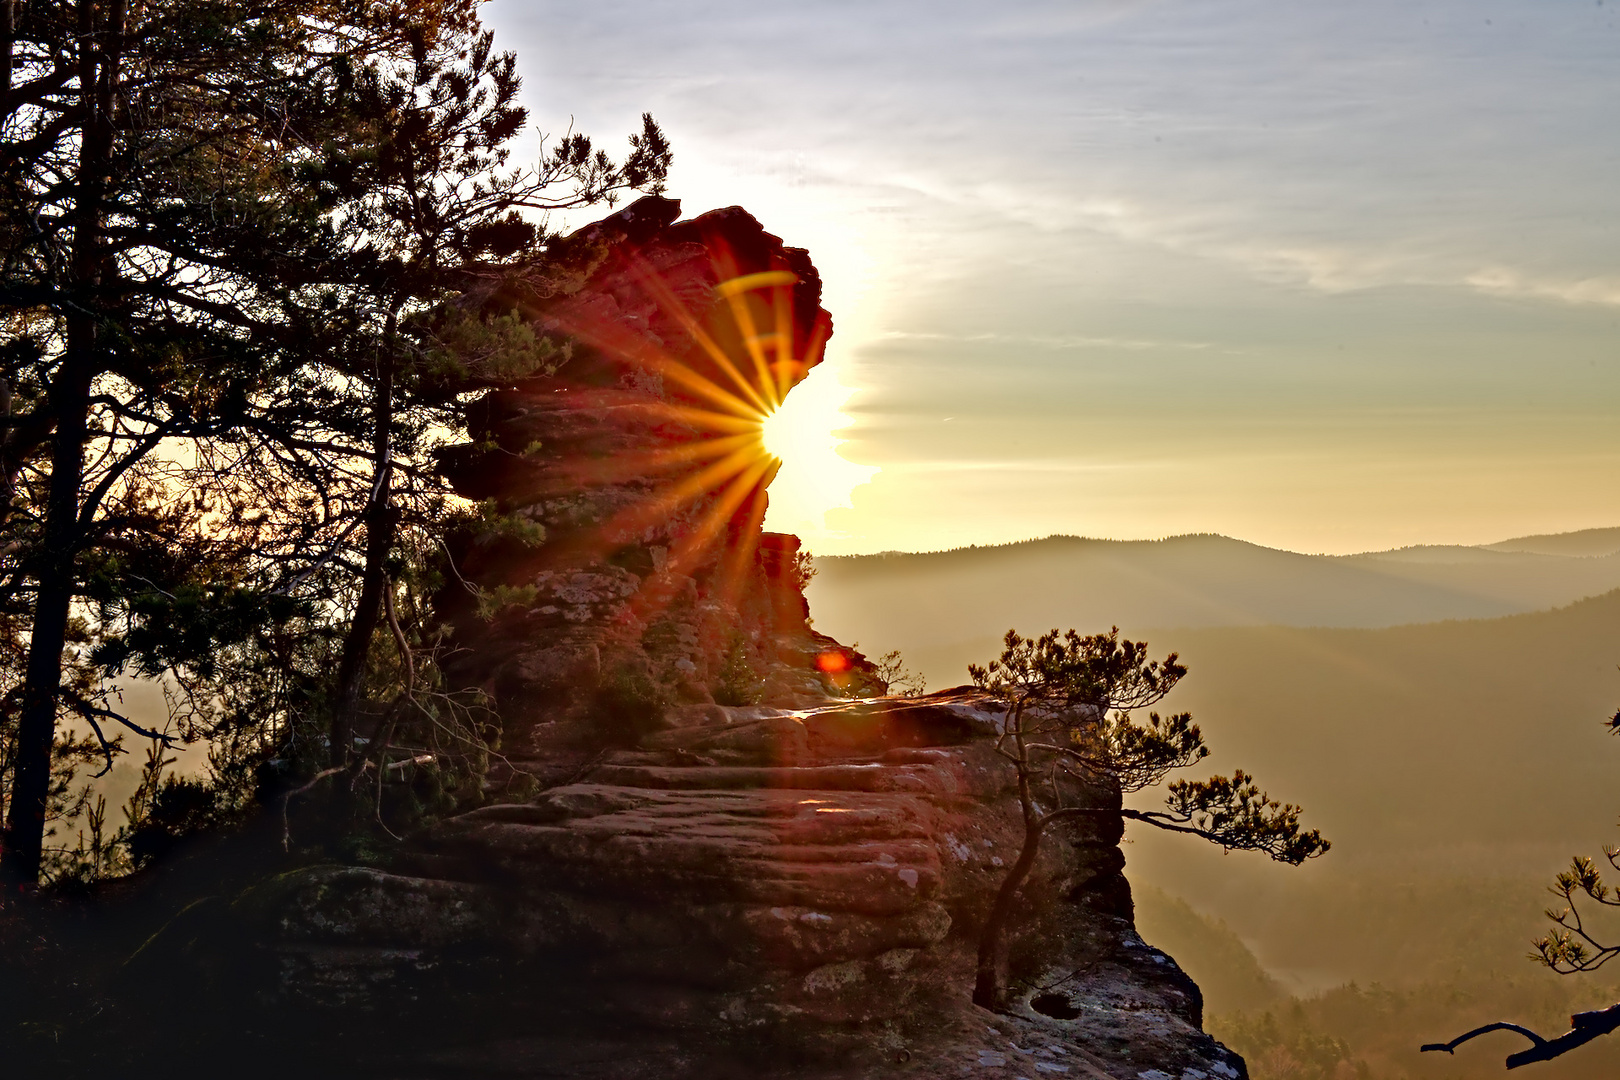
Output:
x=1224 y=536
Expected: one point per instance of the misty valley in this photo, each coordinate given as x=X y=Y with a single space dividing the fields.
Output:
x=1439 y=711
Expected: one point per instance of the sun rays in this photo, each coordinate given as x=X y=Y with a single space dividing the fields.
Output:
x=718 y=441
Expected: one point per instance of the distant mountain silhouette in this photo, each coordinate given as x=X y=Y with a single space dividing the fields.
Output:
x=1587 y=542
x=926 y=603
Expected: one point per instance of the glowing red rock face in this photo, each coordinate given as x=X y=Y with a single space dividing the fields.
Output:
x=643 y=461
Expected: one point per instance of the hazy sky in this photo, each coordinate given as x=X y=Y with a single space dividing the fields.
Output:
x=1324 y=276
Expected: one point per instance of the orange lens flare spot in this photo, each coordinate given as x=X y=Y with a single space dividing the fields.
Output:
x=832 y=662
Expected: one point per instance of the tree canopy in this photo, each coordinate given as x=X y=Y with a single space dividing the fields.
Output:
x=233 y=240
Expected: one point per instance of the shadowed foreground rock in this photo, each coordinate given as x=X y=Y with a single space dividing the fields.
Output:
x=755 y=892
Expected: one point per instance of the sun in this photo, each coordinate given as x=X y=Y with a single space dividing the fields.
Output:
x=804 y=433
x=786 y=434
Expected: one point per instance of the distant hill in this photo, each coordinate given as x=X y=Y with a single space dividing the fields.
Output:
x=930 y=605
x=1587 y=542
x=1456 y=766
x=1207 y=949
x=1457 y=742
x=1467 y=742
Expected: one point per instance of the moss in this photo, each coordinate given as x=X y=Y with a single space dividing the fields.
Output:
x=740 y=682
x=629 y=703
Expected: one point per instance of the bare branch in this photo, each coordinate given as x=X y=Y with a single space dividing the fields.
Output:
x=1583 y=1028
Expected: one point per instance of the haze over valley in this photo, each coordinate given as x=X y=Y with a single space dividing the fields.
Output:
x=945 y=609
x=1438 y=712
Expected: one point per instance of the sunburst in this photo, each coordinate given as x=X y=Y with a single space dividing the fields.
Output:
x=754 y=353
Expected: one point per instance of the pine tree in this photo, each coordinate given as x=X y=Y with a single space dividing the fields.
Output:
x=232 y=237
x=151 y=226
x=432 y=209
x=1069 y=733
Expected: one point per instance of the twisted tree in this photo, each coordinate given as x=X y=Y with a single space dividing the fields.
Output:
x=1068 y=731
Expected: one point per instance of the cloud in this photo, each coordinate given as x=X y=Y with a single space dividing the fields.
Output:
x=1501 y=281
x=1048 y=341
x=1333 y=147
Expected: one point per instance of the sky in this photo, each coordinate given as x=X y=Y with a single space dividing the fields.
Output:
x=1326 y=277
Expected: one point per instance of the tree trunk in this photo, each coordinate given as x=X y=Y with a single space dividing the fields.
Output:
x=988 y=990
x=8 y=49
x=36 y=728
x=22 y=853
x=381 y=521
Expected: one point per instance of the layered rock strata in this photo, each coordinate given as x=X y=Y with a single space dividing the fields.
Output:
x=773 y=892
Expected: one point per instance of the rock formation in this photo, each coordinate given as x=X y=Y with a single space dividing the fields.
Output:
x=753 y=891
x=643 y=463
x=735 y=857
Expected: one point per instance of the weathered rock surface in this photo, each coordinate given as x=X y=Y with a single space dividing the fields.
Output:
x=642 y=463
x=808 y=906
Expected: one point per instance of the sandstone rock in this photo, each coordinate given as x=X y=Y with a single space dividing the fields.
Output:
x=804 y=919
x=643 y=462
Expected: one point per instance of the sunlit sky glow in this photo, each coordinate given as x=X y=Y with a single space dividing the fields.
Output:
x=1326 y=277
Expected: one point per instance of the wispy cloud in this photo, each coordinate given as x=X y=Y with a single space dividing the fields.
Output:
x=1501 y=281
x=1046 y=341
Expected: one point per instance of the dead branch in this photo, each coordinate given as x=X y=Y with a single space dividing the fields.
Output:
x=108 y=747
x=1583 y=1028
x=286 y=826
